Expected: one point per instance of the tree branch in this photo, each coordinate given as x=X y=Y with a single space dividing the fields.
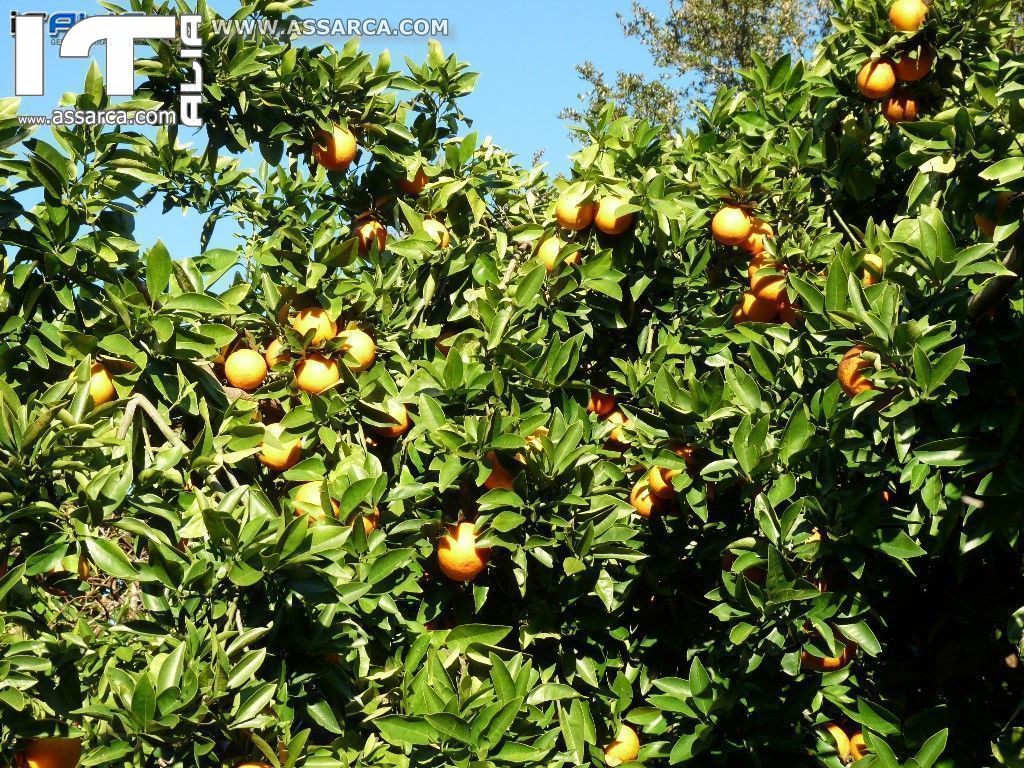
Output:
x=996 y=288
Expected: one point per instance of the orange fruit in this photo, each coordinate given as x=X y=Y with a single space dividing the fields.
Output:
x=850 y=372
x=731 y=225
x=52 y=753
x=308 y=500
x=548 y=252
x=275 y=353
x=901 y=107
x=907 y=15
x=284 y=454
x=876 y=79
x=458 y=555
x=317 y=320
x=499 y=477
x=315 y=373
x=988 y=225
x=624 y=748
x=358 y=345
x=606 y=220
x=264 y=765
x=371 y=232
x=335 y=150
x=602 y=404
x=787 y=313
x=873 y=269
x=437 y=232
x=643 y=501
x=101 y=385
x=659 y=479
x=829 y=663
x=245 y=369
x=574 y=214
x=370 y=520
x=754 y=243
x=415 y=185
x=858 y=748
x=400 y=421
x=842 y=742
x=910 y=70
x=752 y=309
x=617 y=436
x=765 y=281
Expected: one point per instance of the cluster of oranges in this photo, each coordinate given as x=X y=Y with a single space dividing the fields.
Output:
x=877 y=80
x=766 y=299
x=574 y=214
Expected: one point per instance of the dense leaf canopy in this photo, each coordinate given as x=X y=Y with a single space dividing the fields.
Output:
x=825 y=552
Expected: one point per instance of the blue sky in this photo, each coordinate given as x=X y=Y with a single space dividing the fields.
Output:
x=525 y=53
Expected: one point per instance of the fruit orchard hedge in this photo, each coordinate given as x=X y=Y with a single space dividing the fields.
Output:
x=830 y=552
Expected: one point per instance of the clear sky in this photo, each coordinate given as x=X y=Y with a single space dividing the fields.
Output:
x=525 y=52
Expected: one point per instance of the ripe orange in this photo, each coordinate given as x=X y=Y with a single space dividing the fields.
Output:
x=370 y=520
x=624 y=748
x=850 y=372
x=415 y=185
x=309 y=501
x=907 y=15
x=901 y=107
x=910 y=70
x=858 y=748
x=876 y=79
x=317 y=320
x=263 y=765
x=369 y=233
x=400 y=421
x=52 y=753
x=275 y=353
x=731 y=225
x=101 y=385
x=787 y=313
x=548 y=252
x=873 y=269
x=283 y=455
x=606 y=220
x=245 y=369
x=336 y=150
x=841 y=740
x=643 y=501
x=316 y=373
x=601 y=404
x=660 y=478
x=574 y=214
x=499 y=476
x=766 y=282
x=752 y=309
x=829 y=663
x=359 y=346
x=437 y=232
x=617 y=437
x=988 y=225
x=754 y=244
x=458 y=555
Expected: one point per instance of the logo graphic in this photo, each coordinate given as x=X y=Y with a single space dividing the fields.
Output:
x=120 y=34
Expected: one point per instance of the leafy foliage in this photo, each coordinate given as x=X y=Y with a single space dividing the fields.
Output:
x=161 y=598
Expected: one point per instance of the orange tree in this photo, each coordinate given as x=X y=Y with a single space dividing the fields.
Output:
x=705 y=454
